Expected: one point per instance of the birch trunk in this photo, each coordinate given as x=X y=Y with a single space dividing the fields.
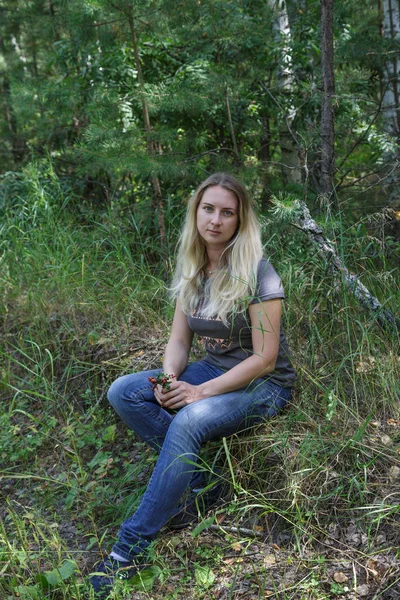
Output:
x=391 y=92
x=291 y=167
x=328 y=92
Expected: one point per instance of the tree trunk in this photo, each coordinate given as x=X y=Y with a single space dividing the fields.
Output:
x=328 y=92
x=231 y=129
x=291 y=167
x=18 y=145
x=158 y=201
x=391 y=87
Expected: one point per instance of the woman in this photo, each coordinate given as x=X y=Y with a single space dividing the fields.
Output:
x=230 y=296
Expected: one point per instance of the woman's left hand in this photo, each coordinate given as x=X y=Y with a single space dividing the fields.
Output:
x=179 y=394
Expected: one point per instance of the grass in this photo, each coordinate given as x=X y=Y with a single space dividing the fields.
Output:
x=84 y=301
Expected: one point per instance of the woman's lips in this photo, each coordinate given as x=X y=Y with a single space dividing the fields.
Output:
x=214 y=231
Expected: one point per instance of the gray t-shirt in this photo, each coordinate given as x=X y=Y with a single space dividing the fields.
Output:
x=227 y=346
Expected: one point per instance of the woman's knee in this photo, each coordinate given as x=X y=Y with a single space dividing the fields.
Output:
x=128 y=388
x=115 y=392
x=122 y=390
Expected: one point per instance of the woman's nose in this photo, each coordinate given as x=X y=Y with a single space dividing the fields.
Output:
x=216 y=218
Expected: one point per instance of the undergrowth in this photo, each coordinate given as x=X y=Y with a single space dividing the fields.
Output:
x=83 y=301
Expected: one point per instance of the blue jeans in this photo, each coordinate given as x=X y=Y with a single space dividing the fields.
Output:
x=178 y=438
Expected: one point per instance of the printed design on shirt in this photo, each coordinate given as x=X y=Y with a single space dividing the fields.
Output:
x=211 y=344
x=216 y=344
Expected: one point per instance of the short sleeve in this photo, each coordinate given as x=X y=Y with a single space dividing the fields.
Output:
x=269 y=284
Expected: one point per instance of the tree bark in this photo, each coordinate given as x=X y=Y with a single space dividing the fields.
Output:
x=151 y=148
x=231 y=129
x=384 y=317
x=18 y=145
x=328 y=92
x=291 y=167
x=391 y=87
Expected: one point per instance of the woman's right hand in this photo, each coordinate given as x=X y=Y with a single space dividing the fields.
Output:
x=158 y=394
x=179 y=394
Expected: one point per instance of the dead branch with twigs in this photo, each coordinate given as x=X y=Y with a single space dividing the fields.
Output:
x=306 y=223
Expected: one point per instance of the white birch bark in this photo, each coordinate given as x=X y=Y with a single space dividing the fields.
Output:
x=391 y=93
x=384 y=317
x=291 y=168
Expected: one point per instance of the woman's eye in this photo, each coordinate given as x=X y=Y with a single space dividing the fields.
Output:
x=208 y=208
x=228 y=213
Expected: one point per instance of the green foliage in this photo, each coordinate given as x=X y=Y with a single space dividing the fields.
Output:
x=83 y=276
x=83 y=302
x=74 y=91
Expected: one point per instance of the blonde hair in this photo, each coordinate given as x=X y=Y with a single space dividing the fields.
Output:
x=236 y=277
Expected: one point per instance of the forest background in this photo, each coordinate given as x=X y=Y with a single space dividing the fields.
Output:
x=112 y=112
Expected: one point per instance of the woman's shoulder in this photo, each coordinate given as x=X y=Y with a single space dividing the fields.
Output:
x=266 y=269
x=269 y=284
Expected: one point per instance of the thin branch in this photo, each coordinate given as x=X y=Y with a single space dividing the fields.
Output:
x=96 y=24
x=362 y=137
x=240 y=530
x=352 y=184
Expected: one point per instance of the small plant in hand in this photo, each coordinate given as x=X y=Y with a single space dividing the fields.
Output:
x=162 y=379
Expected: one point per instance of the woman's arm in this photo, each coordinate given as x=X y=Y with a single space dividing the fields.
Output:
x=180 y=341
x=265 y=320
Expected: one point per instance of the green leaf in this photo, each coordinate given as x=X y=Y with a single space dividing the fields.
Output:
x=67 y=569
x=109 y=434
x=28 y=592
x=204 y=577
x=144 y=580
x=56 y=576
x=205 y=524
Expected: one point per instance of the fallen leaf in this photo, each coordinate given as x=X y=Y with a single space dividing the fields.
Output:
x=276 y=547
x=340 y=577
x=236 y=546
x=371 y=566
x=386 y=440
x=269 y=559
x=362 y=590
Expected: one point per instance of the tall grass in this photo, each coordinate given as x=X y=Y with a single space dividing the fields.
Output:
x=83 y=300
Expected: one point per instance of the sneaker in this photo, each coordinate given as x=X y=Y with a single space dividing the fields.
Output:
x=108 y=571
x=196 y=507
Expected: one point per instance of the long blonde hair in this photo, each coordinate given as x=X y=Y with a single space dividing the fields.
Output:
x=235 y=280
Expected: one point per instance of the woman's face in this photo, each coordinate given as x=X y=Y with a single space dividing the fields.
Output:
x=217 y=216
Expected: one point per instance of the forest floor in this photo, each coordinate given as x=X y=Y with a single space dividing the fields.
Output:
x=232 y=554
x=226 y=557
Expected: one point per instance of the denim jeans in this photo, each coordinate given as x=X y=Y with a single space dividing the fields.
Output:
x=178 y=438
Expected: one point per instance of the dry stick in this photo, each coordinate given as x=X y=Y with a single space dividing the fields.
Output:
x=241 y=530
x=307 y=224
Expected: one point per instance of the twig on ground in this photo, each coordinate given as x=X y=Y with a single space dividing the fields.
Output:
x=240 y=530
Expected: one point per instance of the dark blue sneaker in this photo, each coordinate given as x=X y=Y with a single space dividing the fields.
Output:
x=107 y=572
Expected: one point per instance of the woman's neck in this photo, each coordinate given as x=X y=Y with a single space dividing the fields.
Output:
x=213 y=260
